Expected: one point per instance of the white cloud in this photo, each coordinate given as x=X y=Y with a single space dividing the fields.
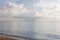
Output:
x=13 y=9
x=50 y=9
x=46 y=3
x=37 y=14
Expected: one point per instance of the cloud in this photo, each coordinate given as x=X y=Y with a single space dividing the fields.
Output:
x=13 y=9
x=37 y=14
x=50 y=9
x=43 y=4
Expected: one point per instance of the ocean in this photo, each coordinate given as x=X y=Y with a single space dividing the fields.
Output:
x=32 y=28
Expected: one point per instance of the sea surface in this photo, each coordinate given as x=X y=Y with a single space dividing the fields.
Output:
x=32 y=28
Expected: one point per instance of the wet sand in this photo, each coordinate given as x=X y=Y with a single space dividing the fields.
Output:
x=5 y=38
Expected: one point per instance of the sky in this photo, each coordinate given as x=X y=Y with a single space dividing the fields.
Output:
x=30 y=8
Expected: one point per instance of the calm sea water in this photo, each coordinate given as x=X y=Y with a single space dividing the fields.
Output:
x=35 y=28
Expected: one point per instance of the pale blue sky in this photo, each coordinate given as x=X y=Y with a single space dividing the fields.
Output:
x=27 y=3
x=42 y=6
